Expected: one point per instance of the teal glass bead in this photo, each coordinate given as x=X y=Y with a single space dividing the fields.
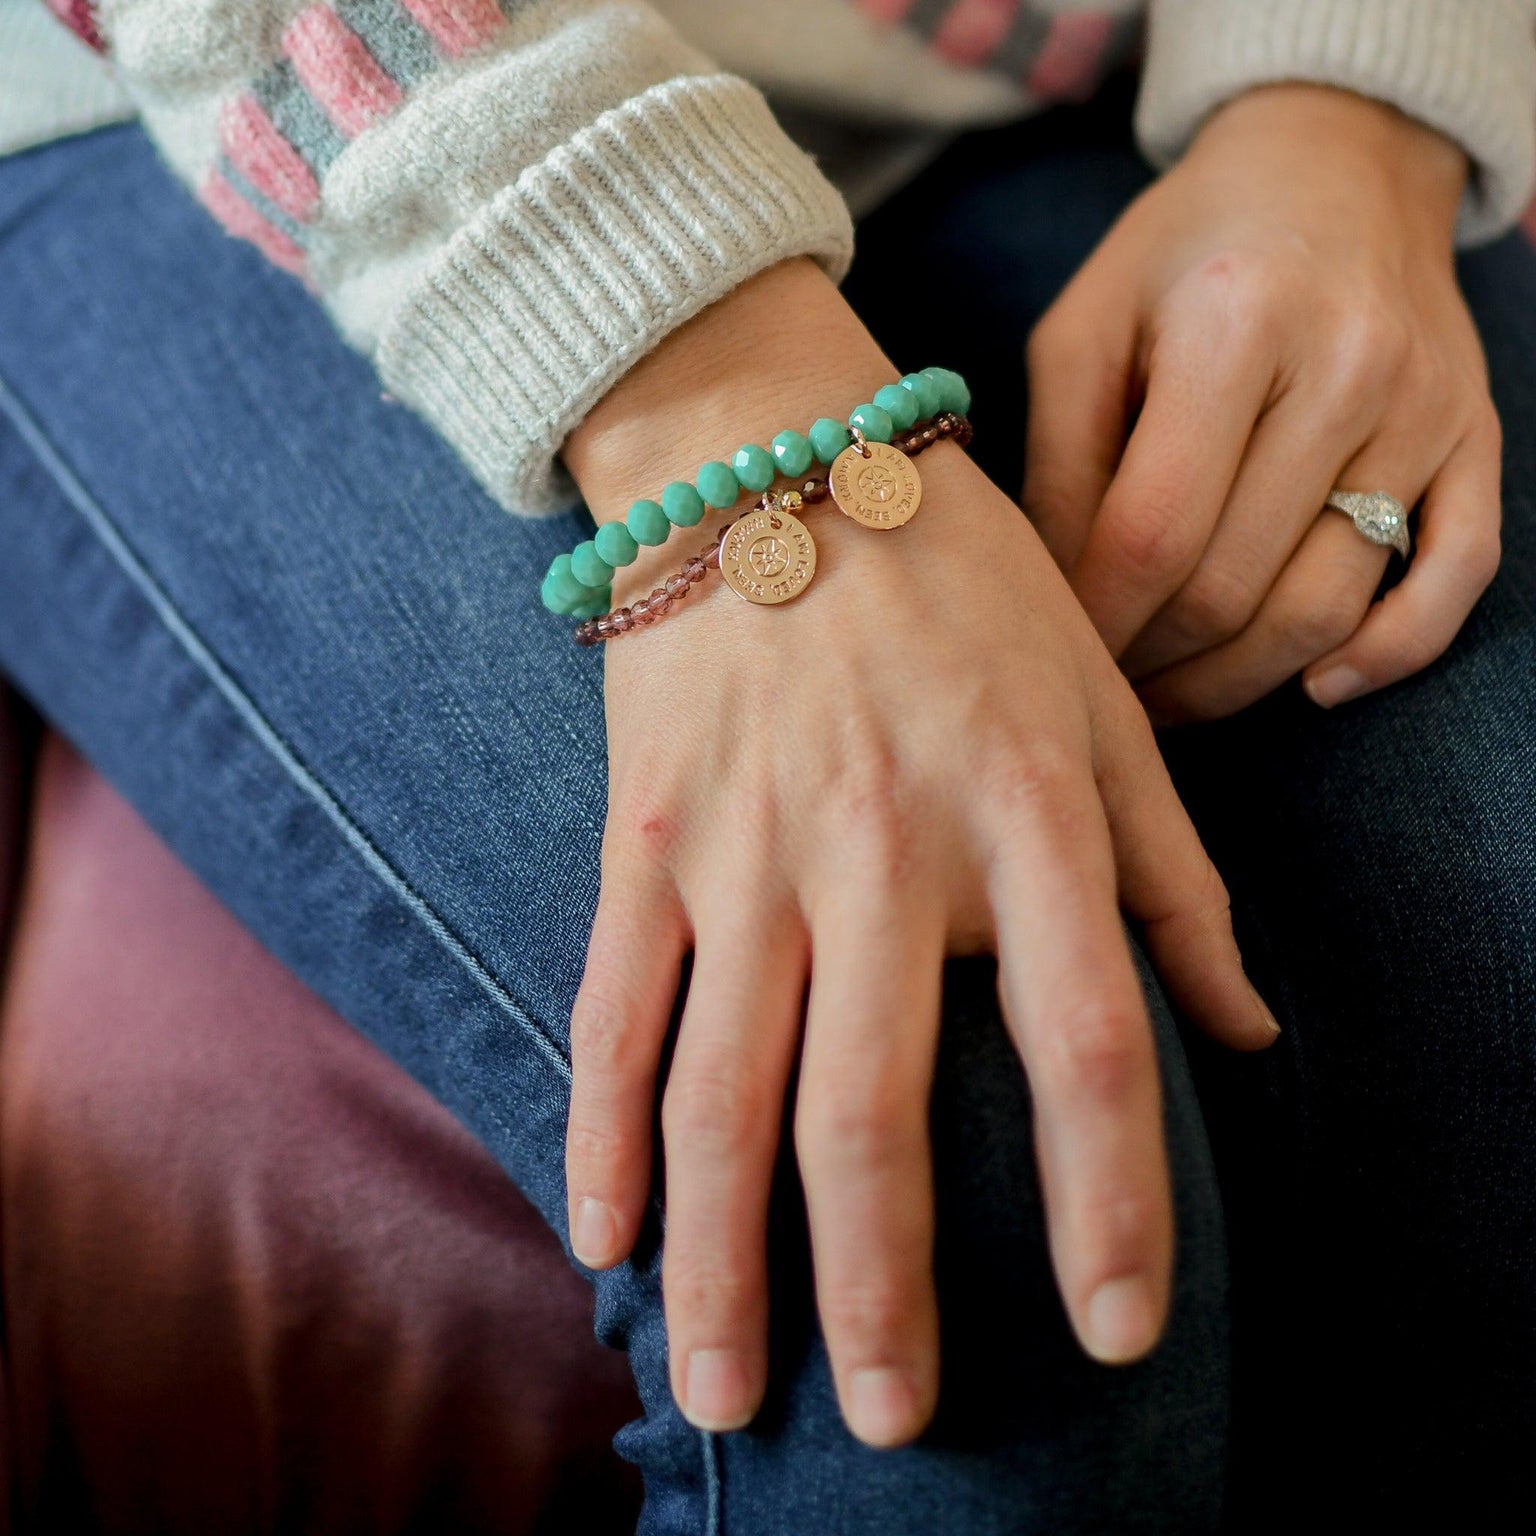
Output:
x=562 y=584
x=616 y=544
x=898 y=404
x=683 y=505
x=595 y=606
x=954 y=392
x=589 y=567
x=549 y=597
x=792 y=453
x=718 y=484
x=647 y=523
x=925 y=392
x=753 y=467
x=828 y=439
x=873 y=422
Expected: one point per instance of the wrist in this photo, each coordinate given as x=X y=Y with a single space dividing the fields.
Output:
x=779 y=351
x=1278 y=127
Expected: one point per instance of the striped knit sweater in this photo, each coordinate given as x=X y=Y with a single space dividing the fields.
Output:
x=506 y=203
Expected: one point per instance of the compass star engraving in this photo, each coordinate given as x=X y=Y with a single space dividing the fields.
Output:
x=768 y=556
x=877 y=483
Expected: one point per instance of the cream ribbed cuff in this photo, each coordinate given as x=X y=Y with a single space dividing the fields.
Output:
x=1465 y=67
x=571 y=274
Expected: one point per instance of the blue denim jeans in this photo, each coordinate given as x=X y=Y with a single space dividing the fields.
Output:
x=270 y=606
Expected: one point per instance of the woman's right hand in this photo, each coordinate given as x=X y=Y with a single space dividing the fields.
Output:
x=928 y=753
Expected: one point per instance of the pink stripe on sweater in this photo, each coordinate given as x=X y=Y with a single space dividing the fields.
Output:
x=80 y=17
x=338 y=71
x=888 y=10
x=1069 y=60
x=457 y=26
x=245 y=223
x=971 y=30
x=265 y=158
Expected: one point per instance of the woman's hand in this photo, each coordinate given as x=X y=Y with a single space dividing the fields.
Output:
x=928 y=753
x=1279 y=315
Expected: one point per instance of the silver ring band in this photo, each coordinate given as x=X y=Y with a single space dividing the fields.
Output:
x=1383 y=519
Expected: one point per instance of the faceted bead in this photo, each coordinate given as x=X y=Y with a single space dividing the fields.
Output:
x=563 y=585
x=693 y=568
x=899 y=404
x=641 y=609
x=660 y=600
x=954 y=392
x=589 y=567
x=717 y=484
x=616 y=544
x=595 y=606
x=647 y=523
x=924 y=391
x=792 y=453
x=873 y=422
x=682 y=504
x=623 y=622
x=548 y=597
x=677 y=586
x=753 y=467
x=604 y=626
x=828 y=439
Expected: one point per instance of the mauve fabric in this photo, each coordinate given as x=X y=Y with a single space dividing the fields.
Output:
x=255 y=1278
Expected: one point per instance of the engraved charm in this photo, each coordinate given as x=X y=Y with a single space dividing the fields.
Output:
x=768 y=556
x=877 y=486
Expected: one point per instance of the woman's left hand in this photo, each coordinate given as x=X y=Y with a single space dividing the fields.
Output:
x=1275 y=318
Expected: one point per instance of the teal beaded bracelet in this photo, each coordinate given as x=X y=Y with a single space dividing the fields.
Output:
x=578 y=584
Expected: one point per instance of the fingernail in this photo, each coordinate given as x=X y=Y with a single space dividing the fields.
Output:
x=717 y=1394
x=594 y=1233
x=881 y=1405
x=1271 y=1023
x=1333 y=685
x=1122 y=1321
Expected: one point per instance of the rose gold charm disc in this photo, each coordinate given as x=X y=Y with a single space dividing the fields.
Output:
x=880 y=491
x=768 y=557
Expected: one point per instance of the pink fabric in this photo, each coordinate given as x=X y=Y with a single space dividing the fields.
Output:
x=457 y=26
x=972 y=30
x=337 y=69
x=265 y=158
x=888 y=10
x=1068 y=64
x=254 y=1278
x=245 y=223
x=80 y=17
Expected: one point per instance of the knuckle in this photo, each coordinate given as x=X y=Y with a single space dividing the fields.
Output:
x=1099 y=1053
x=1151 y=536
x=711 y=1112
x=706 y=1284
x=1366 y=351
x=850 y=1126
x=1215 y=604
x=1035 y=784
x=868 y=1313
x=646 y=824
x=1244 y=288
x=602 y=1043
x=593 y=1144
x=1330 y=614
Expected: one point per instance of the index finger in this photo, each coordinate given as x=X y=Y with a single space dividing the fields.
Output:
x=1203 y=398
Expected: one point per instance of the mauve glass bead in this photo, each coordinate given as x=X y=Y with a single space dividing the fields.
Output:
x=641 y=609
x=677 y=586
x=659 y=600
x=604 y=627
x=623 y=622
x=693 y=568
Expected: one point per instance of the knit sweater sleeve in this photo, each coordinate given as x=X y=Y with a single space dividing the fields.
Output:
x=1465 y=67
x=504 y=203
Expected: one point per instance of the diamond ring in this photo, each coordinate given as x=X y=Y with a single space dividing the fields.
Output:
x=1383 y=519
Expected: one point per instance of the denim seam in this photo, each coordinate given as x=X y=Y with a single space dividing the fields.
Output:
x=117 y=545
x=714 y=1514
